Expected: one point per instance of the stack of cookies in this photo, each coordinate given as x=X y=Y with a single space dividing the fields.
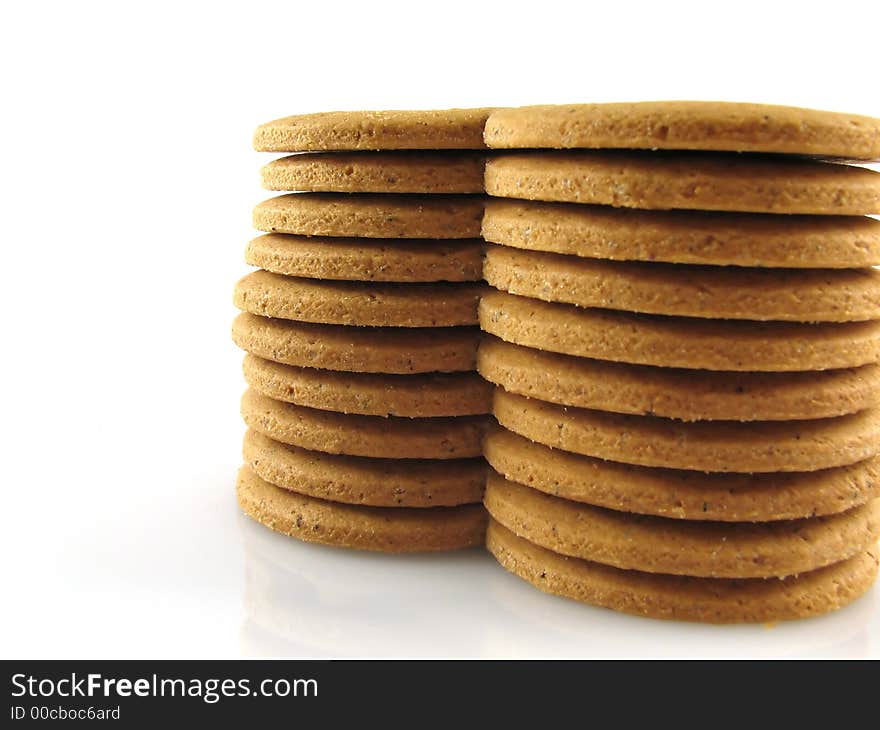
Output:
x=685 y=335
x=365 y=411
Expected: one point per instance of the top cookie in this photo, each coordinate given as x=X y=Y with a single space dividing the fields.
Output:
x=447 y=129
x=687 y=125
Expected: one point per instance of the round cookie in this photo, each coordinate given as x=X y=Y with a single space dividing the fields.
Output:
x=371 y=394
x=386 y=529
x=683 y=598
x=374 y=259
x=358 y=349
x=712 y=292
x=355 y=435
x=679 y=494
x=358 y=303
x=365 y=481
x=440 y=129
x=685 y=237
x=682 y=342
x=680 y=547
x=688 y=395
x=710 y=446
x=694 y=181
x=687 y=125
x=377 y=172
x=371 y=216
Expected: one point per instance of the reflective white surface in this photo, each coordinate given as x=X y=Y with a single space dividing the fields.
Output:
x=127 y=183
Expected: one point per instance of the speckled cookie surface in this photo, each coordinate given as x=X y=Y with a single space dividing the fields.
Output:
x=358 y=349
x=713 y=292
x=434 y=129
x=377 y=172
x=371 y=216
x=359 y=259
x=356 y=435
x=689 y=395
x=684 y=598
x=681 y=494
x=358 y=303
x=371 y=394
x=386 y=529
x=363 y=480
x=684 y=237
x=687 y=125
x=684 y=342
x=711 y=446
x=694 y=181
x=680 y=547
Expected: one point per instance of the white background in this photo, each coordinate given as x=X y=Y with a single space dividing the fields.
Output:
x=127 y=183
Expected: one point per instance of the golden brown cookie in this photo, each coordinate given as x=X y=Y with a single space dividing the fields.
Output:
x=371 y=394
x=440 y=129
x=687 y=125
x=371 y=216
x=685 y=237
x=355 y=435
x=711 y=446
x=377 y=172
x=690 y=181
x=363 y=480
x=683 y=342
x=684 y=598
x=713 y=292
x=680 y=494
x=358 y=303
x=372 y=259
x=680 y=547
x=689 y=395
x=387 y=529
x=358 y=349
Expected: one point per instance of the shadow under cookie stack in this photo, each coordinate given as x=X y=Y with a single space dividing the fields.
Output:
x=685 y=340
x=364 y=409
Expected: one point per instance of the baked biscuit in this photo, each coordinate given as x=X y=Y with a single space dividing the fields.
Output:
x=687 y=125
x=684 y=598
x=355 y=435
x=377 y=172
x=710 y=446
x=364 y=480
x=374 y=259
x=386 y=529
x=689 y=181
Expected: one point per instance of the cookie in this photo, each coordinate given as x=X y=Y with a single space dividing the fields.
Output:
x=683 y=342
x=358 y=349
x=714 y=292
x=355 y=435
x=684 y=598
x=680 y=547
x=690 y=181
x=441 y=129
x=375 y=259
x=711 y=446
x=689 y=395
x=358 y=303
x=377 y=172
x=365 y=481
x=685 y=237
x=371 y=394
x=386 y=529
x=371 y=216
x=687 y=125
x=678 y=494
